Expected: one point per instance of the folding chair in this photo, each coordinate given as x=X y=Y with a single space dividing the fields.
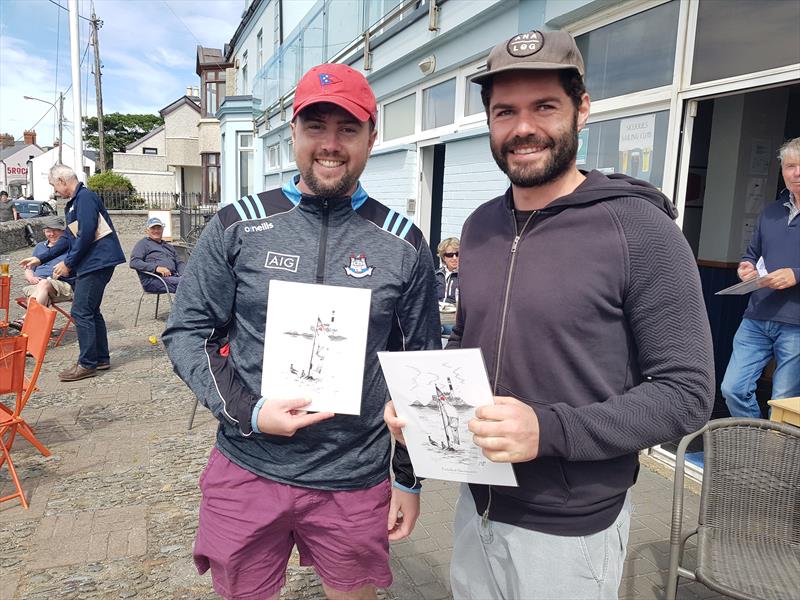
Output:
x=142 y=275
x=36 y=331
x=5 y=294
x=12 y=379
x=747 y=530
x=23 y=302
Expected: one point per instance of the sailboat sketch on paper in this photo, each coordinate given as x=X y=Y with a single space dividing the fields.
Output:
x=322 y=335
x=444 y=401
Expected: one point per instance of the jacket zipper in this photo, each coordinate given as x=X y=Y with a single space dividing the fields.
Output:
x=323 y=243
x=514 y=244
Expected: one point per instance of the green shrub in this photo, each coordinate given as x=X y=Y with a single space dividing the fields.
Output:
x=108 y=181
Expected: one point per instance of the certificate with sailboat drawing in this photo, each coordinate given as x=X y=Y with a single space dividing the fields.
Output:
x=436 y=392
x=314 y=345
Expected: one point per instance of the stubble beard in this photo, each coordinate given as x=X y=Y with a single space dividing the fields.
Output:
x=562 y=153
x=334 y=189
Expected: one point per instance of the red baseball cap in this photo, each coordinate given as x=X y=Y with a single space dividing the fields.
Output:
x=340 y=85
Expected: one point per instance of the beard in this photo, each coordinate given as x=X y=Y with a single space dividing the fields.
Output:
x=562 y=152
x=330 y=189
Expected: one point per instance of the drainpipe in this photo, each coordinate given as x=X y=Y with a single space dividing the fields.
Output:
x=29 y=162
x=5 y=175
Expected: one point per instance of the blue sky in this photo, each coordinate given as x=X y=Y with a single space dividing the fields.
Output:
x=147 y=47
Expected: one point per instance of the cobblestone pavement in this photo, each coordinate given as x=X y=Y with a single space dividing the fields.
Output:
x=114 y=509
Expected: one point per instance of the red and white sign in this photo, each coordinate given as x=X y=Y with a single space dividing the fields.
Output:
x=17 y=171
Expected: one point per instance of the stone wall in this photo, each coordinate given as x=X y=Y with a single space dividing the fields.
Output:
x=126 y=222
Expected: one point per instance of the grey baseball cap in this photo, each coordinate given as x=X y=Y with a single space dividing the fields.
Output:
x=534 y=50
x=53 y=223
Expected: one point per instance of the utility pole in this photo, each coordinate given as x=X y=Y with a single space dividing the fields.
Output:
x=98 y=91
x=75 y=62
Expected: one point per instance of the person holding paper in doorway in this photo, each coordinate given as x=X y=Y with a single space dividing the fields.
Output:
x=279 y=475
x=771 y=323
x=585 y=299
x=94 y=252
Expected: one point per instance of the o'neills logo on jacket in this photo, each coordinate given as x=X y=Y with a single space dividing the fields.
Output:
x=358 y=267
x=261 y=227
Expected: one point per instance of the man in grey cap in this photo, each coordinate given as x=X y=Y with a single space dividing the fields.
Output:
x=39 y=267
x=585 y=299
x=153 y=255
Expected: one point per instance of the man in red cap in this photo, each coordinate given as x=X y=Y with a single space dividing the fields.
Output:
x=280 y=476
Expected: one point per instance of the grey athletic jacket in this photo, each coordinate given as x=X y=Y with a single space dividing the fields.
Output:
x=284 y=235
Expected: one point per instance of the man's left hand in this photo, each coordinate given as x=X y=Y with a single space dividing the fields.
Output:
x=507 y=431
x=403 y=513
x=779 y=279
x=60 y=270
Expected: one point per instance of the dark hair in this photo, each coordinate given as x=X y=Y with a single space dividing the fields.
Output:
x=4 y=193
x=318 y=109
x=570 y=80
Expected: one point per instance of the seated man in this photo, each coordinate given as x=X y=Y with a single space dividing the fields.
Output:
x=153 y=255
x=39 y=267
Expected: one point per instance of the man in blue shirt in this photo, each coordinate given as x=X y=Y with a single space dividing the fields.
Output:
x=153 y=255
x=771 y=323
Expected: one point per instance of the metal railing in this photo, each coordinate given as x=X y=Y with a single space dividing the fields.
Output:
x=149 y=200
x=192 y=220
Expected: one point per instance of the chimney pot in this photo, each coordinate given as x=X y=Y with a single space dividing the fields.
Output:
x=29 y=137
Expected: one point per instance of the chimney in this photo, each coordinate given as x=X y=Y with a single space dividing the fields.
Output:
x=6 y=140
x=30 y=137
x=189 y=90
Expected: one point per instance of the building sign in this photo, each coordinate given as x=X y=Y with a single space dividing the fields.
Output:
x=636 y=136
x=21 y=171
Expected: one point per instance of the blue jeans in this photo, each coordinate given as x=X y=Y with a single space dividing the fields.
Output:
x=89 y=323
x=753 y=347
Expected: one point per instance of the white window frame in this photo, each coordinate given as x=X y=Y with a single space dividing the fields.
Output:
x=444 y=129
x=259 y=50
x=239 y=150
x=271 y=147
x=243 y=70
x=289 y=152
x=382 y=115
x=463 y=119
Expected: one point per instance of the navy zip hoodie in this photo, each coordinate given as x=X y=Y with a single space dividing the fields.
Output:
x=596 y=320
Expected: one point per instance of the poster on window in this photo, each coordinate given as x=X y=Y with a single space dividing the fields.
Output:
x=583 y=147
x=636 y=137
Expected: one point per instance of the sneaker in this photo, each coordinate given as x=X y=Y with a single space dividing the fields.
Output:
x=16 y=324
x=77 y=373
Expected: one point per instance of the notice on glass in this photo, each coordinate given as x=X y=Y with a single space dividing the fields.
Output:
x=314 y=345
x=436 y=393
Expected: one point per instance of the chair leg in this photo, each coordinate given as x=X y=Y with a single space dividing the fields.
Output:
x=25 y=431
x=63 y=333
x=19 y=494
x=138 y=308
x=158 y=298
x=191 y=417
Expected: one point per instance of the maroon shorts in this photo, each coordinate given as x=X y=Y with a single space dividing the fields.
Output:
x=249 y=525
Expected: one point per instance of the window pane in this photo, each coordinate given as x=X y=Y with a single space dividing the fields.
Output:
x=439 y=105
x=740 y=37
x=633 y=54
x=211 y=99
x=344 y=24
x=245 y=168
x=245 y=140
x=313 y=43
x=635 y=146
x=398 y=118
x=474 y=104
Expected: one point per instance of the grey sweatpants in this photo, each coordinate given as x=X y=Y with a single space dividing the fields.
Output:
x=503 y=562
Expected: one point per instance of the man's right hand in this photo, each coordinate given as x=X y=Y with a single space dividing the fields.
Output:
x=30 y=263
x=163 y=271
x=746 y=270
x=285 y=417
x=393 y=422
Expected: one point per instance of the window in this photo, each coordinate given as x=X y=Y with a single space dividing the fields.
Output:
x=439 y=105
x=290 y=151
x=149 y=150
x=398 y=117
x=274 y=156
x=612 y=69
x=210 y=165
x=244 y=88
x=473 y=103
x=634 y=145
x=245 y=170
x=259 y=50
x=213 y=92
x=734 y=38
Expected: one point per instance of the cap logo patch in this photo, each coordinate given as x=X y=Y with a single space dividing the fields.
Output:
x=525 y=44
x=325 y=79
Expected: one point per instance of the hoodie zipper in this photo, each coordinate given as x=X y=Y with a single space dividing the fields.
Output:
x=323 y=243
x=514 y=244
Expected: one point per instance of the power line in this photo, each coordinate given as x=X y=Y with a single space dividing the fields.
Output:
x=80 y=16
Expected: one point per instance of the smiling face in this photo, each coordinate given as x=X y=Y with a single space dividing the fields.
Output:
x=450 y=258
x=331 y=149
x=52 y=235
x=155 y=233
x=533 y=126
x=790 y=169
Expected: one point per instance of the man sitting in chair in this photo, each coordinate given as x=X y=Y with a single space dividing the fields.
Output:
x=153 y=255
x=39 y=267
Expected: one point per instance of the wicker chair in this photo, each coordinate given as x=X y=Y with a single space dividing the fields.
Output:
x=748 y=530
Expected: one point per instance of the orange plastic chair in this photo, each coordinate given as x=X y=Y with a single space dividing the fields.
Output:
x=12 y=381
x=23 y=303
x=5 y=294
x=36 y=331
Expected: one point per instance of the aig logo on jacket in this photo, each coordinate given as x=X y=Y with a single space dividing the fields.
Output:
x=358 y=267
x=284 y=262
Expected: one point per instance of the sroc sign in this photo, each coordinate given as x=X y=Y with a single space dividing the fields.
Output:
x=17 y=171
